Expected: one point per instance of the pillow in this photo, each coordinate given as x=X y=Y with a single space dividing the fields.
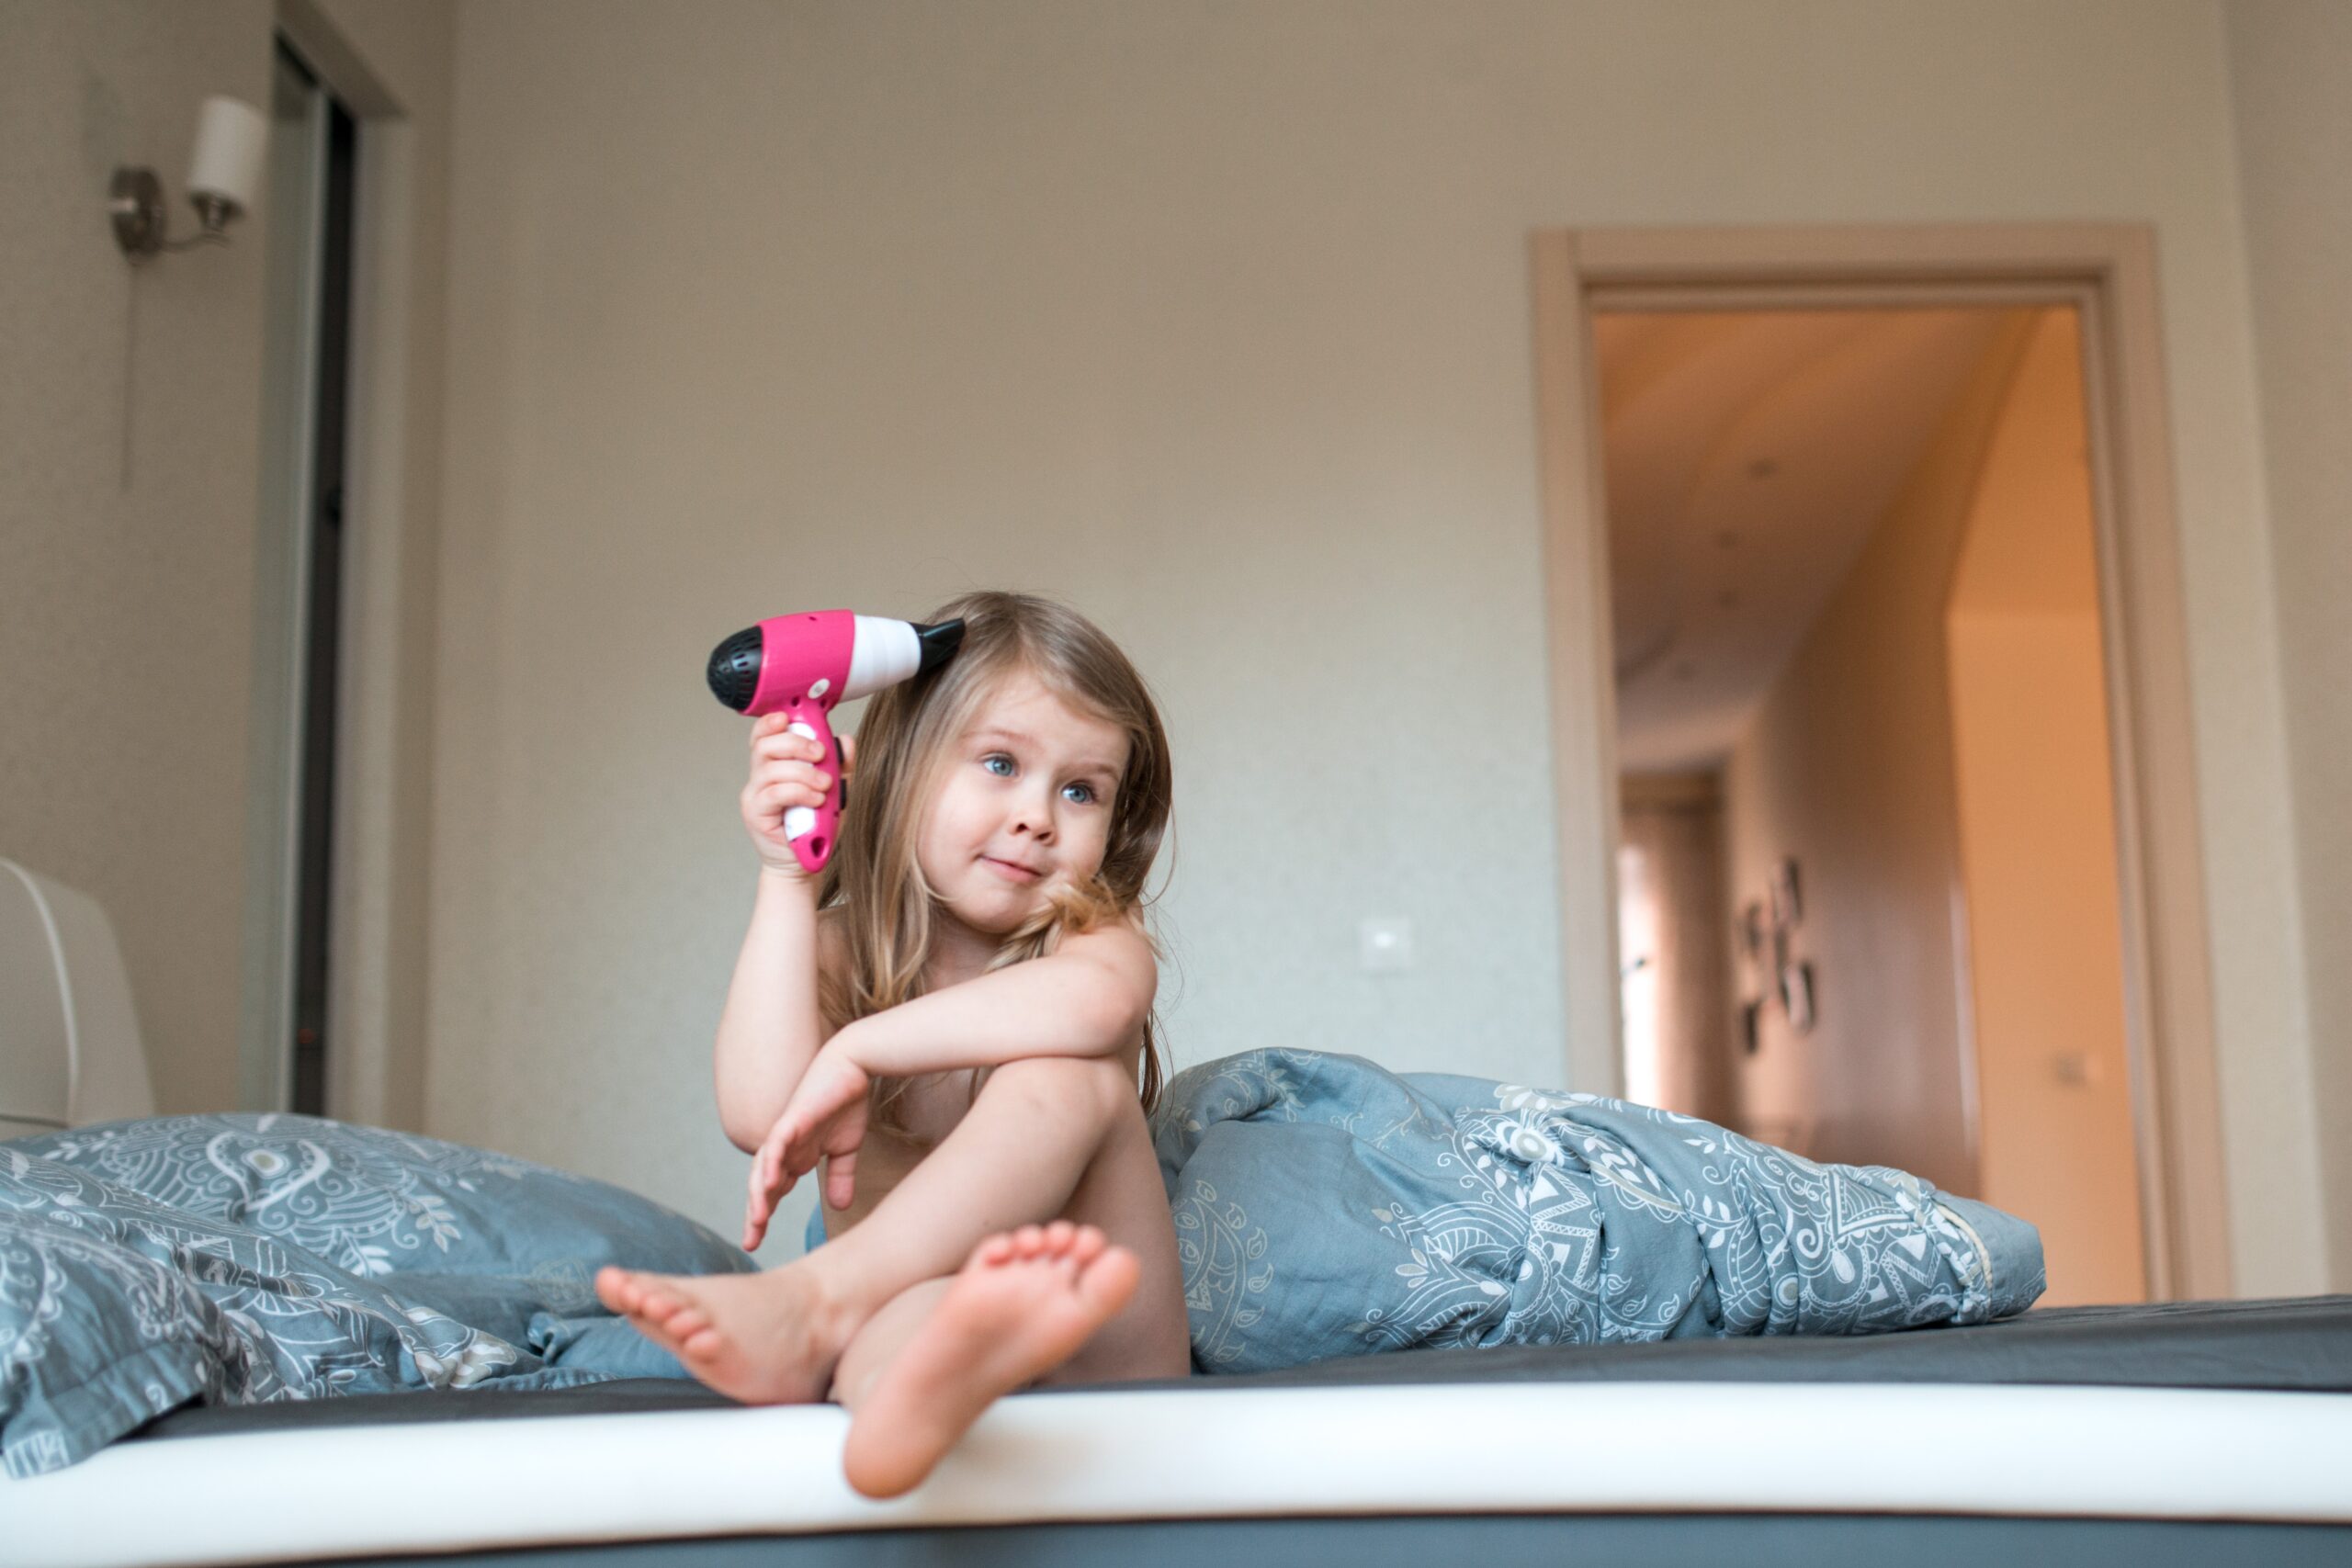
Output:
x=115 y=1308
x=374 y=1202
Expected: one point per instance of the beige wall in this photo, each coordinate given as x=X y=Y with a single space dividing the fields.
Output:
x=128 y=774
x=1216 y=322
x=2036 y=801
x=1848 y=767
x=2291 y=64
x=127 y=492
x=1214 y=319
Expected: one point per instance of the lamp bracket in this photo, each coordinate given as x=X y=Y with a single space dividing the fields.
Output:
x=135 y=201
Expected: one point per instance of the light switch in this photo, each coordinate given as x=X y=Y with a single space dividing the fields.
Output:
x=1386 y=944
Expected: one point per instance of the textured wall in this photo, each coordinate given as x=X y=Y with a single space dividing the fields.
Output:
x=130 y=500
x=1215 y=320
x=127 y=554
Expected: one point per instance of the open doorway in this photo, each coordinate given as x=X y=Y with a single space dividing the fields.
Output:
x=1863 y=823
x=1868 y=882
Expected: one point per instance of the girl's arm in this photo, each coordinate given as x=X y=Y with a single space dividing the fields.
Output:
x=771 y=1029
x=1089 y=998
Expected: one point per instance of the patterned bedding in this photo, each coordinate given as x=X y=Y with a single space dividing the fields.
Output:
x=236 y=1259
x=1328 y=1207
x=1324 y=1207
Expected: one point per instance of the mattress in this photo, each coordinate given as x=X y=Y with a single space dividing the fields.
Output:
x=2184 y=1431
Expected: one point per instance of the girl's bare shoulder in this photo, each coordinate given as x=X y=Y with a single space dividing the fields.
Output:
x=1120 y=946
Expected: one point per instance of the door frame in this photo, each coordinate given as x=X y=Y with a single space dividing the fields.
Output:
x=382 y=855
x=2108 y=273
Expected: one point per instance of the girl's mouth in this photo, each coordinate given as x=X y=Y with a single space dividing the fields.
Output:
x=1010 y=871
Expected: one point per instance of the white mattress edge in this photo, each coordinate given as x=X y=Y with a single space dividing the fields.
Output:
x=1205 y=1453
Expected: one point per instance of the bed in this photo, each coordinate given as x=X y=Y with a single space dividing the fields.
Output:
x=2187 y=1432
x=2177 y=1432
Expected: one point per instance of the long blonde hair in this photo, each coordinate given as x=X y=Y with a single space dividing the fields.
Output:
x=904 y=744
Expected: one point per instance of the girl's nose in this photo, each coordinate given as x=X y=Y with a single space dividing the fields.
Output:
x=1035 y=816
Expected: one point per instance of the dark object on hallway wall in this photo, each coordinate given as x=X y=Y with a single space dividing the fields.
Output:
x=1796 y=996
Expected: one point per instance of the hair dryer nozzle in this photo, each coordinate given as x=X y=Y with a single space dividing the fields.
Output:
x=735 y=669
x=939 y=643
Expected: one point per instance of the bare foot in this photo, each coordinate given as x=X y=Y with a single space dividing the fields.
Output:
x=768 y=1339
x=1022 y=1306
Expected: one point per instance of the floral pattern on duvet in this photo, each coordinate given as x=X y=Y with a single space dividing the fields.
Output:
x=247 y=1258
x=1326 y=1207
x=115 y=1308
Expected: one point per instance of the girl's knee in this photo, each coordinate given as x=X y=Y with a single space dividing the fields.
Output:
x=1094 y=1087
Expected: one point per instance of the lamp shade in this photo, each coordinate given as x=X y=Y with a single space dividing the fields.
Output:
x=232 y=141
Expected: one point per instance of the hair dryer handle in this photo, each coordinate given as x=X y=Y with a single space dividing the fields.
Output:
x=813 y=830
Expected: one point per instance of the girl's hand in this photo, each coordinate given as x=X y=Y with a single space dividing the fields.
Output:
x=825 y=1119
x=788 y=769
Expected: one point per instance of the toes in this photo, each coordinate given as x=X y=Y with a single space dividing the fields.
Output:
x=688 y=1323
x=1109 y=1280
x=616 y=1288
x=1064 y=1243
x=652 y=1331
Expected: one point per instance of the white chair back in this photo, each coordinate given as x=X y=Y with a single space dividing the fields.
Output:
x=69 y=1050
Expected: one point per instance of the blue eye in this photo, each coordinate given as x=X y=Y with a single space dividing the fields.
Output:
x=1086 y=795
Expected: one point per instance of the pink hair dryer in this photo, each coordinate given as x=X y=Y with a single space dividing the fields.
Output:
x=804 y=665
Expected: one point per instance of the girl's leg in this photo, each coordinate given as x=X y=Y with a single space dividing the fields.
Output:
x=923 y=1368
x=880 y=1338
x=1029 y=1146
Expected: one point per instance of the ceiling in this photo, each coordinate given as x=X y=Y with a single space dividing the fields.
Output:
x=1749 y=455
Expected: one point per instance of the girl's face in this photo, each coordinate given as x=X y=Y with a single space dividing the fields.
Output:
x=1025 y=798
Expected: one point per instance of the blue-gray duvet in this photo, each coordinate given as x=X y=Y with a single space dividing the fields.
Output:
x=239 y=1260
x=1323 y=1206
x=1326 y=1207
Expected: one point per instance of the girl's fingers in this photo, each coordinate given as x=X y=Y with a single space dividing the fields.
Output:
x=769 y=774
x=784 y=746
x=841 y=1180
x=768 y=1184
x=794 y=790
x=755 y=1217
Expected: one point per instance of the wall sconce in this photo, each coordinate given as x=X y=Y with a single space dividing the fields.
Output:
x=231 y=139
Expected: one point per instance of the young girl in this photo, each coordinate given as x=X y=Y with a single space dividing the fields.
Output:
x=955 y=1025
